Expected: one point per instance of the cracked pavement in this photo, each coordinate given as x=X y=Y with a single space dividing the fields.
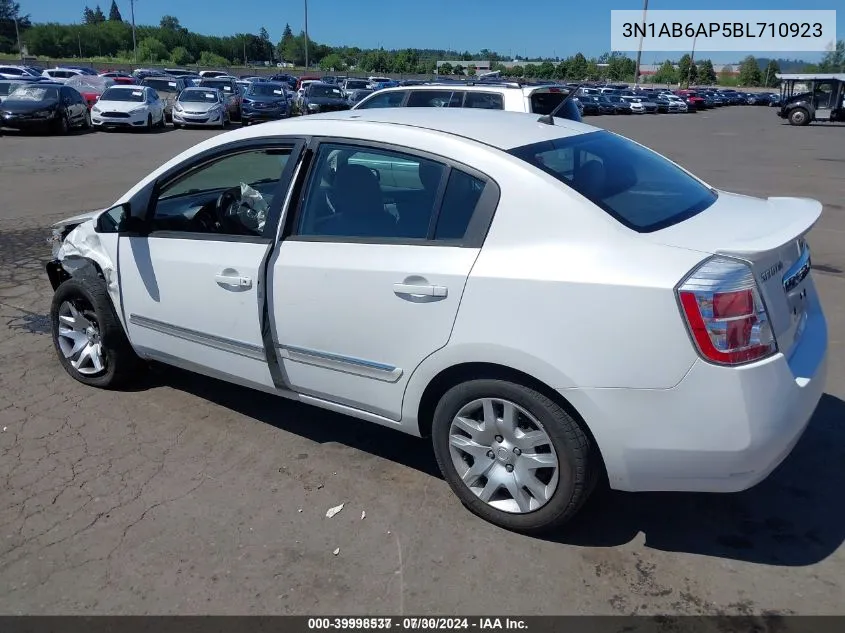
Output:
x=188 y=496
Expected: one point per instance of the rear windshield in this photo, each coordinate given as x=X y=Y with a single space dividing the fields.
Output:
x=357 y=85
x=329 y=92
x=545 y=102
x=636 y=186
x=263 y=89
x=161 y=85
x=223 y=84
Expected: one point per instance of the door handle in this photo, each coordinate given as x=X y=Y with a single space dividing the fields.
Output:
x=420 y=290
x=233 y=280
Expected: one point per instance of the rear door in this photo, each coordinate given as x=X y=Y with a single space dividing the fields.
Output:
x=362 y=289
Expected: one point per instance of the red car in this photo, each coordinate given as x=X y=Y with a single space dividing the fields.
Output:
x=692 y=99
x=120 y=77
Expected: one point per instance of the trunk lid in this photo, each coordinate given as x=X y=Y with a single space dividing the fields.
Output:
x=769 y=234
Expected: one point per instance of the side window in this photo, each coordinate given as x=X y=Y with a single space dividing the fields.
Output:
x=230 y=195
x=385 y=100
x=485 y=100
x=369 y=193
x=435 y=99
x=462 y=195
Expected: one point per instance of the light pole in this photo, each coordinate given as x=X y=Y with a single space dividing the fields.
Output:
x=18 y=35
x=640 y=50
x=691 y=61
x=306 y=34
x=134 y=43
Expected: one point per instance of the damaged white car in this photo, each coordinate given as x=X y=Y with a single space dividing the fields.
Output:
x=551 y=303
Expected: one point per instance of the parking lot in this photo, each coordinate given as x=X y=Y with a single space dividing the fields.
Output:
x=188 y=495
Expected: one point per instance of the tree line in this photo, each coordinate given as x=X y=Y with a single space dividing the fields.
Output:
x=110 y=38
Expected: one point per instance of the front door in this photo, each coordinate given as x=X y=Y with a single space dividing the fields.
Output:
x=824 y=99
x=368 y=280
x=192 y=287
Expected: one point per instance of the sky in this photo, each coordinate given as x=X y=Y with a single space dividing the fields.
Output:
x=544 y=28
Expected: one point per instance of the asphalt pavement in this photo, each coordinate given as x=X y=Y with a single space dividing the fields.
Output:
x=189 y=496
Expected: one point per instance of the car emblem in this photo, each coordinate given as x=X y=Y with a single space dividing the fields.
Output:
x=771 y=272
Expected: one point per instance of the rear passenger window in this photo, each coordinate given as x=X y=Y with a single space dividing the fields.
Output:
x=384 y=100
x=462 y=194
x=435 y=99
x=485 y=100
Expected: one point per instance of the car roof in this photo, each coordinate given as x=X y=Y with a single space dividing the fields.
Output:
x=497 y=128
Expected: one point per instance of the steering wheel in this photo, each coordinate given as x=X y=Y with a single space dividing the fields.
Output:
x=226 y=210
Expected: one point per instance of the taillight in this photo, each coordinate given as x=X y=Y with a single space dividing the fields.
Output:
x=725 y=314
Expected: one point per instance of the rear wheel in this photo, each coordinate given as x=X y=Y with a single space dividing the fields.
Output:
x=513 y=457
x=799 y=116
x=86 y=125
x=149 y=127
x=62 y=125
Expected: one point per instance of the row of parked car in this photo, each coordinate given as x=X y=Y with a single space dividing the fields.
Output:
x=622 y=100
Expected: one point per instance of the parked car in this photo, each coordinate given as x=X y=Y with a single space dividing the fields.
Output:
x=682 y=104
x=667 y=105
x=120 y=77
x=91 y=87
x=694 y=102
x=7 y=86
x=320 y=97
x=180 y=72
x=61 y=75
x=265 y=101
x=648 y=106
x=168 y=89
x=231 y=93
x=16 y=72
x=355 y=96
x=757 y=98
x=524 y=410
x=622 y=106
x=290 y=80
x=43 y=106
x=142 y=73
x=351 y=83
x=637 y=106
x=511 y=96
x=210 y=74
x=200 y=107
x=129 y=107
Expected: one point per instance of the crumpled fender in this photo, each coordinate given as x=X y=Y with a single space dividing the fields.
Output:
x=83 y=245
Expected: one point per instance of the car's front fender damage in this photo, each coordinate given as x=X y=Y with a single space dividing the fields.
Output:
x=82 y=253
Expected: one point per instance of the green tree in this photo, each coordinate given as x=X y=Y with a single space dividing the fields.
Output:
x=726 y=76
x=9 y=12
x=88 y=15
x=181 y=56
x=332 y=62
x=619 y=66
x=770 y=78
x=561 y=70
x=577 y=67
x=749 y=72
x=517 y=71
x=546 y=70
x=207 y=58
x=472 y=71
x=666 y=74
x=114 y=13
x=687 y=72
x=169 y=23
x=593 y=70
x=151 y=50
x=834 y=61
x=99 y=16
x=458 y=69
x=266 y=45
x=287 y=37
x=444 y=69
x=706 y=72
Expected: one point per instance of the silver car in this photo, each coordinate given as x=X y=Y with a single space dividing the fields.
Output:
x=200 y=106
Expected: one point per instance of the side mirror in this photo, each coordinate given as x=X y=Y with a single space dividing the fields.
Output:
x=118 y=219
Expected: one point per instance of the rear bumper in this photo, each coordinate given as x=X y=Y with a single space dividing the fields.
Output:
x=720 y=429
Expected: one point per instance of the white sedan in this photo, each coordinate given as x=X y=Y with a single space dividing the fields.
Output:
x=128 y=107
x=549 y=302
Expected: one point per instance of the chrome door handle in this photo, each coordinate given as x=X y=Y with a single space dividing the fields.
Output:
x=231 y=280
x=420 y=290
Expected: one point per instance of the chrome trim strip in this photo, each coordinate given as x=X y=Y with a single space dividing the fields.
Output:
x=248 y=350
x=337 y=362
x=798 y=271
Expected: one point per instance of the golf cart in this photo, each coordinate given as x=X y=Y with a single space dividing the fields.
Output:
x=812 y=97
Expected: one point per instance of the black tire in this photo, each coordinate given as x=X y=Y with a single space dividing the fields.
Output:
x=578 y=463
x=121 y=363
x=86 y=125
x=62 y=125
x=149 y=126
x=799 y=116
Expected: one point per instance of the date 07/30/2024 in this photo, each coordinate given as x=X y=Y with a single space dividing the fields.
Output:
x=672 y=30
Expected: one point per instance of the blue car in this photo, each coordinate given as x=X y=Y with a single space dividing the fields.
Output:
x=265 y=101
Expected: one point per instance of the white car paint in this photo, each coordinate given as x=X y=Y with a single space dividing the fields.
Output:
x=61 y=75
x=138 y=112
x=559 y=291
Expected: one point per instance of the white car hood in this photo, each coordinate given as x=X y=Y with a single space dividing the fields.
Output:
x=197 y=106
x=78 y=219
x=119 y=106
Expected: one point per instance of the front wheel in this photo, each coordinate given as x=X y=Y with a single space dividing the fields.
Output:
x=513 y=456
x=799 y=116
x=88 y=337
x=149 y=126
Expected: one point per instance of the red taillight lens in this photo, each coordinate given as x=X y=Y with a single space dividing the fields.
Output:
x=724 y=313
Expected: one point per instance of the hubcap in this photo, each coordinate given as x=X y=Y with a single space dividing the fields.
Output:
x=503 y=455
x=79 y=339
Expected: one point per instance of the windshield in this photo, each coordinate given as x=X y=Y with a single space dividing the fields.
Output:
x=121 y=94
x=545 y=102
x=161 y=85
x=325 y=91
x=357 y=85
x=635 y=185
x=266 y=90
x=33 y=93
x=226 y=86
x=199 y=96
x=7 y=87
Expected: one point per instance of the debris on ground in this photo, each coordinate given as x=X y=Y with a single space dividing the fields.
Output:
x=336 y=552
x=363 y=514
x=333 y=511
x=319 y=486
x=300 y=510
